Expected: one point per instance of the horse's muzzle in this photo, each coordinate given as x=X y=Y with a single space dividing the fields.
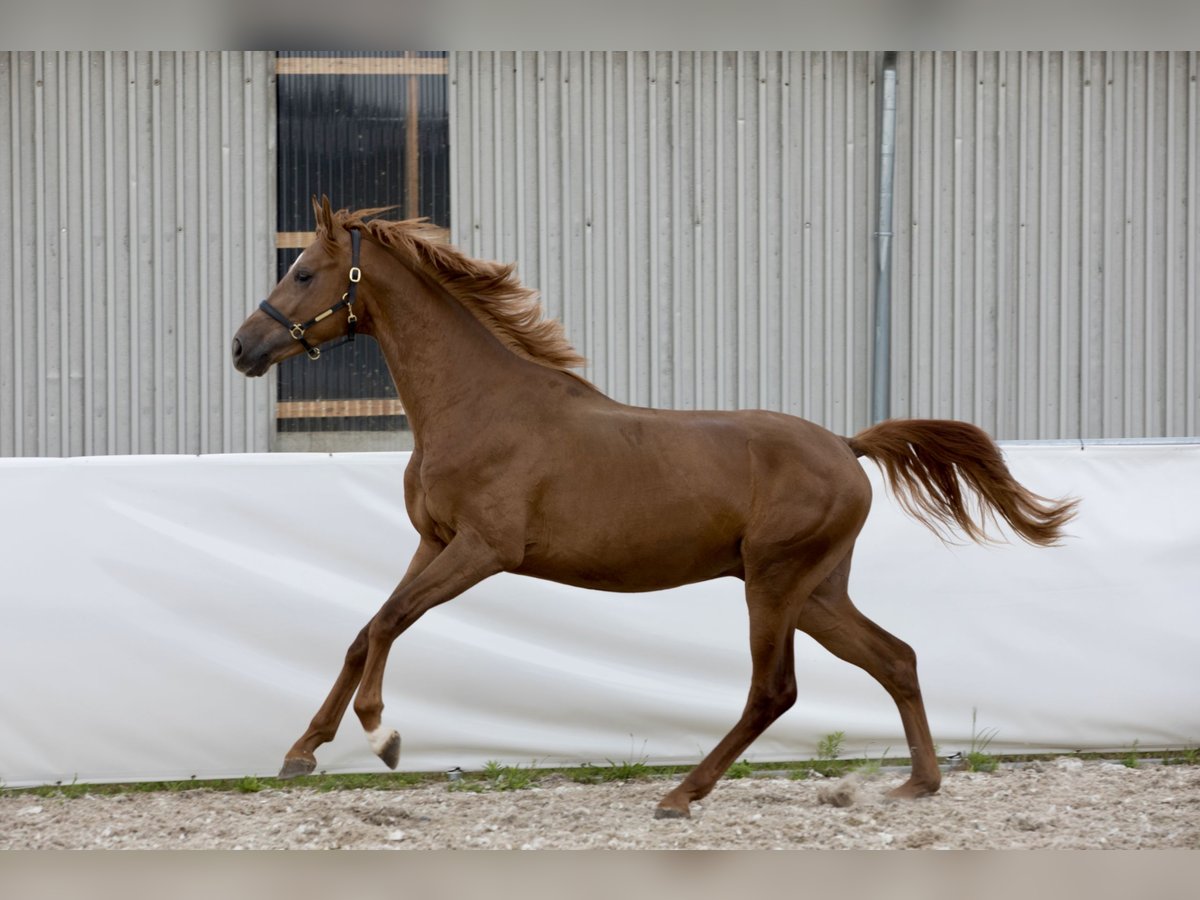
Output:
x=250 y=364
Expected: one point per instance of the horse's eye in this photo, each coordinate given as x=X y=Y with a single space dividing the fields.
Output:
x=304 y=277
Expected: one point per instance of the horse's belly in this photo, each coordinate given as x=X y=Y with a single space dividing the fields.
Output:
x=632 y=563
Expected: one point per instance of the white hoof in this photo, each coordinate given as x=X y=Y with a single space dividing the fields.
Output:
x=385 y=743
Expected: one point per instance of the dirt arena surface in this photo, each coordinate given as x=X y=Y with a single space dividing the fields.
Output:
x=1058 y=804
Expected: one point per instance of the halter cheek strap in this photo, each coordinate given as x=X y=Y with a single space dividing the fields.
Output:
x=297 y=329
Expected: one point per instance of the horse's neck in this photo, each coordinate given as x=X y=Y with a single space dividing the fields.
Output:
x=443 y=359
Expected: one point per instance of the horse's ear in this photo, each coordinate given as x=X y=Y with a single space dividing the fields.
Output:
x=324 y=213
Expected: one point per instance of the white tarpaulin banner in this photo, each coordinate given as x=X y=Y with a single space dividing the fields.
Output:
x=171 y=617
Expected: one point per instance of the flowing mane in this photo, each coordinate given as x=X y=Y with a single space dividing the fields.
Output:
x=490 y=290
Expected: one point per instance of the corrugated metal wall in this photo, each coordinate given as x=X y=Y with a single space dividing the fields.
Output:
x=1046 y=242
x=703 y=222
x=139 y=233
x=700 y=221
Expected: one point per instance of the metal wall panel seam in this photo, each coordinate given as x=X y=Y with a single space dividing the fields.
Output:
x=740 y=226
x=18 y=269
x=566 y=258
x=588 y=328
x=631 y=328
x=269 y=162
x=956 y=410
x=845 y=408
x=1003 y=300
x=785 y=231
x=1065 y=334
x=226 y=249
x=1022 y=251
x=181 y=330
x=1106 y=376
x=110 y=242
x=202 y=202
x=936 y=377
x=700 y=217
x=827 y=155
x=763 y=297
x=1170 y=365
x=875 y=124
x=39 y=146
x=519 y=161
x=654 y=262
x=473 y=90
x=1085 y=232
x=65 y=239
x=1127 y=296
x=915 y=192
x=677 y=242
x=1148 y=301
x=249 y=246
x=454 y=136
x=719 y=225
x=1041 y=324
x=134 y=258
x=543 y=182
x=610 y=296
x=499 y=246
x=977 y=268
x=87 y=153
x=156 y=179
x=1192 y=384
x=808 y=389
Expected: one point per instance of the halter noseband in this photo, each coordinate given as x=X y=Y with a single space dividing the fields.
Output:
x=297 y=329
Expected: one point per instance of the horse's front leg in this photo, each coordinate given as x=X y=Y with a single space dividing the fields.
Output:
x=467 y=560
x=301 y=759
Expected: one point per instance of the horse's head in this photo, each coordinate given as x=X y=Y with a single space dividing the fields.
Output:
x=313 y=303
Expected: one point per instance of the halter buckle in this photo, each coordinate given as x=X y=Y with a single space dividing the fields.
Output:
x=355 y=274
x=297 y=331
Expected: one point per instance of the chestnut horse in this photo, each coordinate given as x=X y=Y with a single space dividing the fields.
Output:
x=520 y=465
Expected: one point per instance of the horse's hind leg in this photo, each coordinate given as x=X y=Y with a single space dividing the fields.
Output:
x=832 y=619
x=301 y=759
x=772 y=692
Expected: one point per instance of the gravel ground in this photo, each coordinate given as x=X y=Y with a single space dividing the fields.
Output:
x=1057 y=804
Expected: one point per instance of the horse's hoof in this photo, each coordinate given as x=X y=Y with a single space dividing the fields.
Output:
x=911 y=791
x=386 y=745
x=670 y=812
x=294 y=767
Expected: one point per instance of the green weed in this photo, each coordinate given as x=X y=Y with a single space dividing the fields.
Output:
x=741 y=769
x=978 y=759
x=1131 y=759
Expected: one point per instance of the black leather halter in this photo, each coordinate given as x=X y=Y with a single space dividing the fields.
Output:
x=297 y=329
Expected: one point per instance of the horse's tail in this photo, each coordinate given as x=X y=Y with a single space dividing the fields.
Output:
x=926 y=462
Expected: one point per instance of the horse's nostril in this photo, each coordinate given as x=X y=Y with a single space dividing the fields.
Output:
x=237 y=348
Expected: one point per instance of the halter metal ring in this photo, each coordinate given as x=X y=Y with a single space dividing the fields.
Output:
x=297 y=331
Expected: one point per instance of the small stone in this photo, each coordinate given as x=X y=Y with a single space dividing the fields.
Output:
x=395 y=836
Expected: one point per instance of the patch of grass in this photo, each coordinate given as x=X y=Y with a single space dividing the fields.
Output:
x=977 y=757
x=497 y=777
x=249 y=785
x=1188 y=756
x=741 y=769
x=1131 y=759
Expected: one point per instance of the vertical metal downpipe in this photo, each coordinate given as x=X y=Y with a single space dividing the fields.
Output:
x=882 y=355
